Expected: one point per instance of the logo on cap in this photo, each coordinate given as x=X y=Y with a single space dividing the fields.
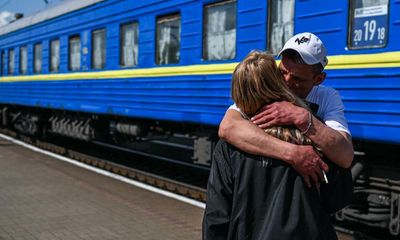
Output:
x=302 y=40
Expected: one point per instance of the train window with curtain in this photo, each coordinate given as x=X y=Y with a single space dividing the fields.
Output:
x=129 y=44
x=99 y=49
x=368 y=23
x=280 y=23
x=37 y=58
x=11 y=62
x=23 y=60
x=168 y=39
x=219 y=31
x=55 y=55
x=74 y=54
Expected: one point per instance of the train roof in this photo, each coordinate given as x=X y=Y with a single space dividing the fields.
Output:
x=53 y=12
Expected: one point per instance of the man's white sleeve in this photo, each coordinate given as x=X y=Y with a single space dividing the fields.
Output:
x=334 y=114
x=234 y=107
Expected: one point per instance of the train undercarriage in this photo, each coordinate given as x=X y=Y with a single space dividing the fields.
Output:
x=186 y=144
x=376 y=202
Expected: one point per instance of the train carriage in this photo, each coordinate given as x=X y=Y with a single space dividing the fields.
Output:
x=140 y=73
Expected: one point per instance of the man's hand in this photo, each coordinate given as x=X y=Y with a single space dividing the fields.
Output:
x=281 y=113
x=252 y=139
x=308 y=163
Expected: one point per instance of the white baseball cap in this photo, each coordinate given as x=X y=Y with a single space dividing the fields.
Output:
x=310 y=48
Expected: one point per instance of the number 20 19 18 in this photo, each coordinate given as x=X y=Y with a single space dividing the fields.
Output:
x=369 y=32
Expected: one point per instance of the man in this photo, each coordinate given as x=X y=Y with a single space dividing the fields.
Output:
x=252 y=197
x=302 y=64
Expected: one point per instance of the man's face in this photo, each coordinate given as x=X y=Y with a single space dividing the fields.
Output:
x=299 y=77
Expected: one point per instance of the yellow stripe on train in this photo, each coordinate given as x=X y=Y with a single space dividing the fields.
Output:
x=379 y=60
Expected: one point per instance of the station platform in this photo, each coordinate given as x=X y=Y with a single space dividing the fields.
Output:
x=45 y=198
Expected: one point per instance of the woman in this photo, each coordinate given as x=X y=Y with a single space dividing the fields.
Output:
x=250 y=197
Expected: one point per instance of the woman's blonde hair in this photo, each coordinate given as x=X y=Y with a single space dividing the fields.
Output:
x=257 y=82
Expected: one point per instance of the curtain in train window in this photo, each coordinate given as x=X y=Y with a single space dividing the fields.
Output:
x=219 y=41
x=168 y=39
x=23 y=60
x=99 y=49
x=55 y=55
x=11 y=62
x=37 y=58
x=281 y=23
x=129 y=45
x=74 y=60
x=368 y=23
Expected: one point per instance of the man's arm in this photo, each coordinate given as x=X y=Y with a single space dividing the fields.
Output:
x=249 y=138
x=336 y=145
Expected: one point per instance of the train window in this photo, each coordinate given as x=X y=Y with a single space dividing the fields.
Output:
x=11 y=61
x=129 y=44
x=368 y=23
x=168 y=39
x=23 y=60
x=74 y=60
x=280 y=23
x=219 y=33
x=99 y=49
x=37 y=58
x=3 y=61
x=55 y=55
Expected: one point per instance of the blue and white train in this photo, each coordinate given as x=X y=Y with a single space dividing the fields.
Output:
x=140 y=72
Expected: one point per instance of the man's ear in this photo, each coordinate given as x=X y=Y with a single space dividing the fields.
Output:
x=320 y=78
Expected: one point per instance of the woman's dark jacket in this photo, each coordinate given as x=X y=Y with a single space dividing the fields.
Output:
x=250 y=197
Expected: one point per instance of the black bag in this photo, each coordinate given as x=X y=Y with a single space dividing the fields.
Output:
x=338 y=192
